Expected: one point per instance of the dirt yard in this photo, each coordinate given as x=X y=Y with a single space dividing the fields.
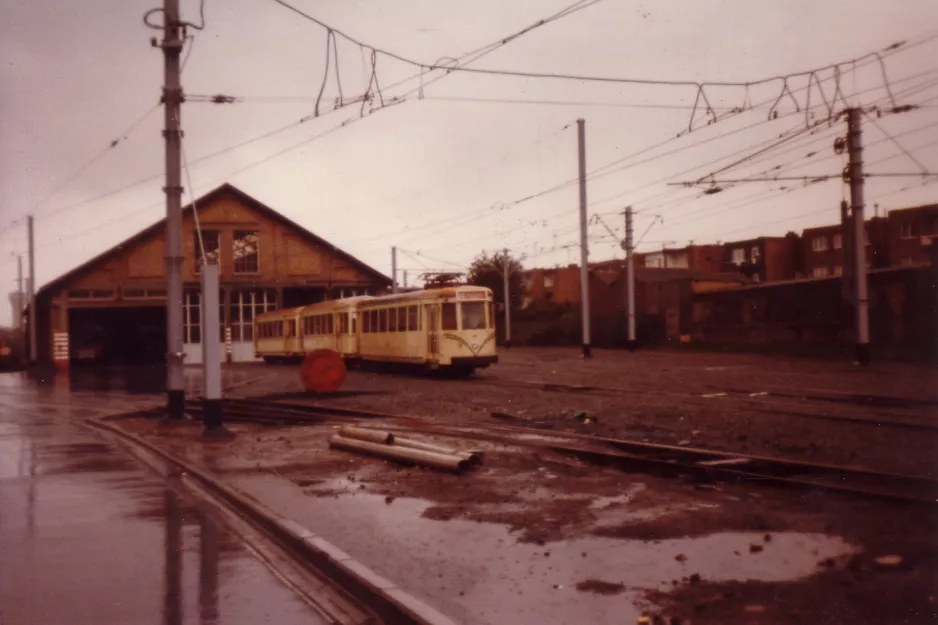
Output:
x=675 y=549
x=684 y=551
x=819 y=411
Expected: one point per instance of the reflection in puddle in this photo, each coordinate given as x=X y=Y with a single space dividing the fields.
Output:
x=500 y=580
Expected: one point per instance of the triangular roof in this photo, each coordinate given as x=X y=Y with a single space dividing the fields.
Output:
x=225 y=189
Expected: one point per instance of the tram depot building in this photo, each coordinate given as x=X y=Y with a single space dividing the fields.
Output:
x=112 y=309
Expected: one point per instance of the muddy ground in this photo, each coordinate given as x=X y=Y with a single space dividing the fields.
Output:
x=720 y=553
x=743 y=403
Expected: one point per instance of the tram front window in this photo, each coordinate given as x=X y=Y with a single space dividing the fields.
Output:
x=473 y=315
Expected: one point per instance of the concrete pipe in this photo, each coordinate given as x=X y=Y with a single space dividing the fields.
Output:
x=366 y=434
x=474 y=458
x=443 y=462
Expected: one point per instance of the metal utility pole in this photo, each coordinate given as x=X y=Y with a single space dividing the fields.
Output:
x=172 y=104
x=630 y=276
x=33 y=317
x=405 y=278
x=19 y=294
x=855 y=171
x=393 y=269
x=211 y=352
x=584 y=250
x=507 y=289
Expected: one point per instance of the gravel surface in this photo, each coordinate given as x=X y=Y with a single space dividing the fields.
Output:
x=743 y=403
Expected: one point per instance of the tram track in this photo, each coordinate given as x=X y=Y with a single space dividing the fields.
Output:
x=700 y=463
x=775 y=402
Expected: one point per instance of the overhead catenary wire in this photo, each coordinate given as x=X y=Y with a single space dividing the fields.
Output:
x=465 y=58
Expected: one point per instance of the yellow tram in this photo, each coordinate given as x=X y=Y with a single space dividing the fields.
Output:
x=439 y=328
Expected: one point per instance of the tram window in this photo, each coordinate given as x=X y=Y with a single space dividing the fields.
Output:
x=383 y=320
x=329 y=324
x=473 y=315
x=490 y=315
x=292 y=328
x=449 y=316
x=412 y=318
x=371 y=322
x=343 y=323
x=392 y=320
x=402 y=319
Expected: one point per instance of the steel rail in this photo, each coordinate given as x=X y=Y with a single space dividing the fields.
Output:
x=628 y=454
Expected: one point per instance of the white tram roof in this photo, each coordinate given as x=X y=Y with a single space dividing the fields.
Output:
x=425 y=295
x=412 y=296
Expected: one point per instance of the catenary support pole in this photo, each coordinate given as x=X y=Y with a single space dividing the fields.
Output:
x=172 y=103
x=630 y=276
x=211 y=351
x=393 y=269
x=405 y=279
x=31 y=285
x=506 y=285
x=19 y=294
x=855 y=152
x=584 y=249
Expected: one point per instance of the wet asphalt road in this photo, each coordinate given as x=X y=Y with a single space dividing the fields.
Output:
x=89 y=536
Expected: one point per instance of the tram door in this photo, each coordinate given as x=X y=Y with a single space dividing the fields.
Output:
x=433 y=330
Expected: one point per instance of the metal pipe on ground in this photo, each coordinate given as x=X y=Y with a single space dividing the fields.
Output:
x=434 y=460
x=366 y=434
x=473 y=457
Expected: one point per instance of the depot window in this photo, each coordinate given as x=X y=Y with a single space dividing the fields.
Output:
x=448 y=311
x=211 y=243
x=473 y=315
x=245 y=251
x=245 y=305
x=191 y=317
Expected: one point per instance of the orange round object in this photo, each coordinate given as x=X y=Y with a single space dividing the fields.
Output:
x=322 y=371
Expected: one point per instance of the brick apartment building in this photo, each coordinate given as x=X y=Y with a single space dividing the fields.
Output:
x=764 y=259
x=910 y=232
x=823 y=248
x=706 y=258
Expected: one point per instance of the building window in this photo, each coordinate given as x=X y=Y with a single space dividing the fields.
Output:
x=819 y=272
x=838 y=241
x=906 y=230
x=91 y=294
x=819 y=244
x=143 y=293
x=739 y=256
x=754 y=253
x=244 y=247
x=211 y=242
x=245 y=305
x=838 y=270
x=192 y=317
x=548 y=281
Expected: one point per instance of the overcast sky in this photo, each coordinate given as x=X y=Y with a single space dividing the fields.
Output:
x=439 y=175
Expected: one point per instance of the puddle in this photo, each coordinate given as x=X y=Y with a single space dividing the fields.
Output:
x=478 y=572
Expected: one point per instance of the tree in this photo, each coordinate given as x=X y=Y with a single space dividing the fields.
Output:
x=488 y=270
